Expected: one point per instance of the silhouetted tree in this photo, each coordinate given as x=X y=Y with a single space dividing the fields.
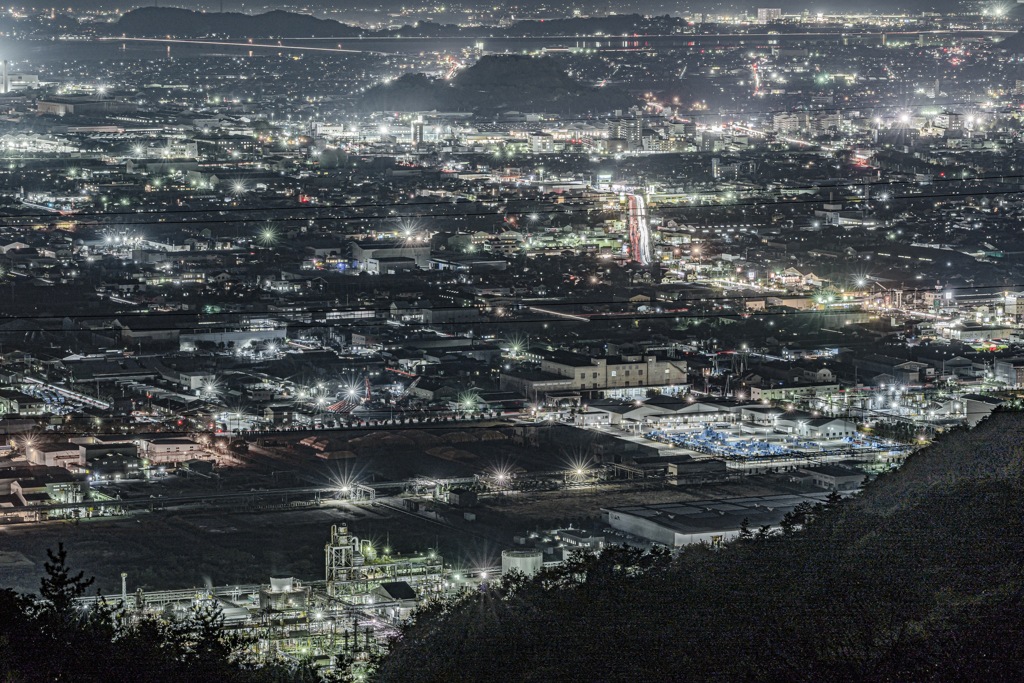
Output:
x=745 y=533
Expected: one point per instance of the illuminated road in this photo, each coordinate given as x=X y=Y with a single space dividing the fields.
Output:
x=559 y=314
x=795 y=141
x=639 y=230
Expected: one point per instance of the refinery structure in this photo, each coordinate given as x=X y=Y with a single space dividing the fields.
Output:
x=336 y=622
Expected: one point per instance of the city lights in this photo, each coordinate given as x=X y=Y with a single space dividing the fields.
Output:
x=440 y=330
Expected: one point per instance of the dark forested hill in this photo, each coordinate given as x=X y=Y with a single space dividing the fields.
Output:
x=920 y=578
x=498 y=83
x=187 y=23
x=184 y=23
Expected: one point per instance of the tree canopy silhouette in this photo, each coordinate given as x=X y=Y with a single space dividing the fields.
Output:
x=52 y=637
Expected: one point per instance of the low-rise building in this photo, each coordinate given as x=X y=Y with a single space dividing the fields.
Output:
x=113 y=466
x=22 y=487
x=14 y=402
x=1009 y=371
x=710 y=521
x=628 y=376
x=400 y=598
x=363 y=252
x=55 y=454
x=170 y=449
x=818 y=428
x=791 y=392
x=832 y=477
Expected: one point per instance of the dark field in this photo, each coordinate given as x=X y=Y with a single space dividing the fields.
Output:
x=170 y=550
x=165 y=550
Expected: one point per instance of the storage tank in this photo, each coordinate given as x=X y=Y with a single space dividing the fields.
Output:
x=281 y=585
x=529 y=562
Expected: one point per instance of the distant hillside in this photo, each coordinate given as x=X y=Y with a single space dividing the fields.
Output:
x=1013 y=44
x=184 y=23
x=494 y=84
x=918 y=578
x=992 y=451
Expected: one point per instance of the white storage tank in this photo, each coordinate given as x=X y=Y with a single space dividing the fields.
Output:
x=529 y=562
x=281 y=585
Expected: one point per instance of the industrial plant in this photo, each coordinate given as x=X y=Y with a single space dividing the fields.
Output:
x=336 y=622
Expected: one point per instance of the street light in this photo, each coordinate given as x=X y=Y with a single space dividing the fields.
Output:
x=268 y=237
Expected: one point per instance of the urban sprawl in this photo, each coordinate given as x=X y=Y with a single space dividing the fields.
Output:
x=477 y=283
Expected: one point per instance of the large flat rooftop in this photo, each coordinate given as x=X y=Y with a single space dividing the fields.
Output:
x=703 y=516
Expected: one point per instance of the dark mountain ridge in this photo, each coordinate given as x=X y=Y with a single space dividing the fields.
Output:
x=149 y=22
x=186 y=23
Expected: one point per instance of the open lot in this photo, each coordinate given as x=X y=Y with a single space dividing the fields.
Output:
x=165 y=550
x=582 y=506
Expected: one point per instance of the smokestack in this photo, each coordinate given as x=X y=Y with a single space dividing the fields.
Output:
x=3 y=79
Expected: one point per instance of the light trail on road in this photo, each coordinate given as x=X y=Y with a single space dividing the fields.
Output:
x=222 y=43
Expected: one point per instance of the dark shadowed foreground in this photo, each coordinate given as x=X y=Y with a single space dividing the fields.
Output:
x=919 y=578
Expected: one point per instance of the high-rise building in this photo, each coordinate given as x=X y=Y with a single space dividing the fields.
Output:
x=625 y=129
x=789 y=122
x=710 y=141
x=417 y=133
x=949 y=121
x=768 y=14
x=541 y=143
x=823 y=122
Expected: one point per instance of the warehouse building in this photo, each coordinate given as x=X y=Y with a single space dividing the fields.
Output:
x=710 y=521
